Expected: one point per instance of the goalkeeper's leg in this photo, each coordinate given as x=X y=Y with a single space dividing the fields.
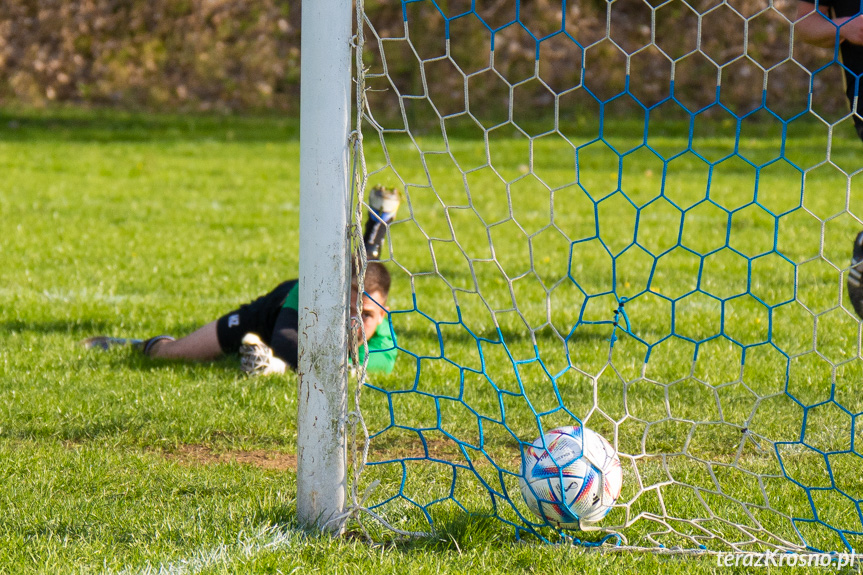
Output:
x=200 y=345
x=106 y=342
x=855 y=276
x=383 y=205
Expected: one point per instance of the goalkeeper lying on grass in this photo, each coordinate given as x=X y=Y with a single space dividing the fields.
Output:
x=264 y=332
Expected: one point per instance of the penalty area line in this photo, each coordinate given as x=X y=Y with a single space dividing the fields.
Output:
x=247 y=546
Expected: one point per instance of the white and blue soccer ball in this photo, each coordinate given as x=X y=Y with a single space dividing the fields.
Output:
x=570 y=474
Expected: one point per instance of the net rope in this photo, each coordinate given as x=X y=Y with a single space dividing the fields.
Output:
x=656 y=249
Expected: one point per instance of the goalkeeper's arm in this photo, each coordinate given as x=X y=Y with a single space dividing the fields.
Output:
x=815 y=26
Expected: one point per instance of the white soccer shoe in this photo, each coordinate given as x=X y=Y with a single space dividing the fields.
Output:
x=256 y=357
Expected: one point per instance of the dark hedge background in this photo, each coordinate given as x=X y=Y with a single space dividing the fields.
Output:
x=243 y=55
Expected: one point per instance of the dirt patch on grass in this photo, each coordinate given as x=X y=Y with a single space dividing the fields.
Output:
x=203 y=455
x=409 y=445
x=436 y=447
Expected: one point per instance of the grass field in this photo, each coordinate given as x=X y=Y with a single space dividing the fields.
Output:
x=133 y=226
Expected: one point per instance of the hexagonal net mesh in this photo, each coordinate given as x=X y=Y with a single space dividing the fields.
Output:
x=633 y=215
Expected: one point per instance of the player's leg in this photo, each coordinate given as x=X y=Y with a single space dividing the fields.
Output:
x=200 y=345
x=855 y=273
x=225 y=335
x=105 y=342
x=383 y=205
x=855 y=276
x=234 y=332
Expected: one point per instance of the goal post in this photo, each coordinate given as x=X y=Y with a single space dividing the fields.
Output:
x=325 y=111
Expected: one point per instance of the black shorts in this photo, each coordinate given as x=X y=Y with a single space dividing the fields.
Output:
x=258 y=317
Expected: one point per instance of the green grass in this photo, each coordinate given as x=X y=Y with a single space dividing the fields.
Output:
x=132 y=225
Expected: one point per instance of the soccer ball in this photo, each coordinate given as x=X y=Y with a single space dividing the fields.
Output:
x=571 y=473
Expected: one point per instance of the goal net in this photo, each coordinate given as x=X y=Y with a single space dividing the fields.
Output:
x=633 y=215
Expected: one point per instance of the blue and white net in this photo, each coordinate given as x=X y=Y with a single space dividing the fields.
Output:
x=633 y=215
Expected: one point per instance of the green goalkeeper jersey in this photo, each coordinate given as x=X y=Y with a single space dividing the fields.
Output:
x=382 y=348
x=381 y=345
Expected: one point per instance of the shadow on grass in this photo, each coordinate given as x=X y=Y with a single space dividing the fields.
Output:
x=88 y=327
x=463 y=531
x=283 y=514
x=134 y=360
x=77 y=431
x=454 y=530
x=81 y=125
x=82 y=329
x=78 y=327
x=460 y=531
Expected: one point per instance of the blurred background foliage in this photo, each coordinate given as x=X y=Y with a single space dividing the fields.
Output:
x=152 y=54
x=244 y=55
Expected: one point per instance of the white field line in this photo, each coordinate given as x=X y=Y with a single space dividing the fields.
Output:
x=247 y=546
x=90 y=295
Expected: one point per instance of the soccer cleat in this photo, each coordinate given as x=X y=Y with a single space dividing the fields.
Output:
x=104 y=342
x=383 y=205
x=855 y=276
x=256 y=357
